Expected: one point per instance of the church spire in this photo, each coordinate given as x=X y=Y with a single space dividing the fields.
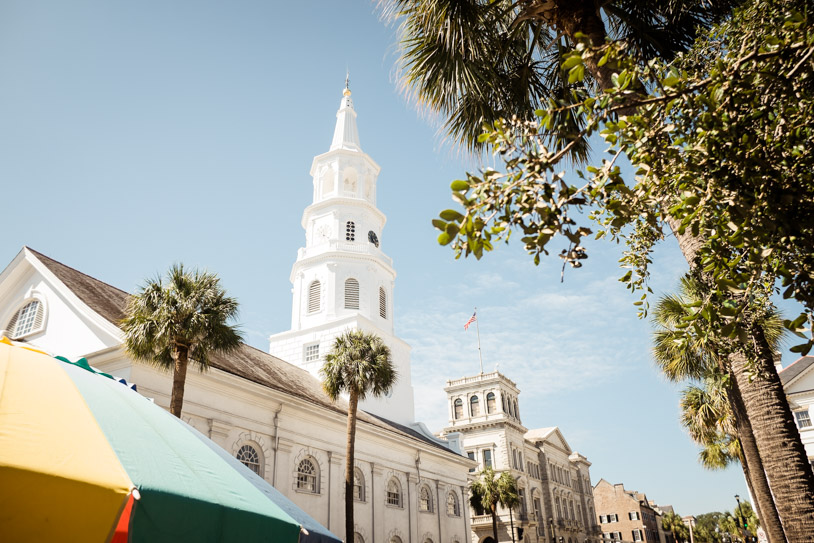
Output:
x=346 y=135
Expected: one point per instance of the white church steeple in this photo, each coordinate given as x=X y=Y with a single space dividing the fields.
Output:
x=342 y=279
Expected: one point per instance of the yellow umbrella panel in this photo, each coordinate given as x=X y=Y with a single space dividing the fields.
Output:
x=59 y=478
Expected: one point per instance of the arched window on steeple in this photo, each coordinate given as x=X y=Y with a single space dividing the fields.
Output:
x=382 y=303
x=351 y=293
x=490 y=402
x=458 y=408
x=313 y=296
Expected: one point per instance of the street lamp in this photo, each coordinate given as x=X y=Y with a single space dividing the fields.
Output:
x=738 y=514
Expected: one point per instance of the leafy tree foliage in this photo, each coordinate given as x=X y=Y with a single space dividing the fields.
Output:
x=182 y=320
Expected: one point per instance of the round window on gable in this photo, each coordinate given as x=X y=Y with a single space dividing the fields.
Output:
x=27 y=319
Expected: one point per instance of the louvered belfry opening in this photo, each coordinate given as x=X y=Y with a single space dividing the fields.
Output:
x=313 y=297
x=351 y=294
x=382 y=303
x=350 y=231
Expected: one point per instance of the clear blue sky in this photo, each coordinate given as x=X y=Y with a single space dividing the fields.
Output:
x=138 y=134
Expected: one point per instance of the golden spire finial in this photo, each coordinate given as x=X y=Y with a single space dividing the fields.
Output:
x=346 y=92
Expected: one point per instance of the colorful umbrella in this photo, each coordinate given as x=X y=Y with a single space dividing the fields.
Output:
x=81 y=454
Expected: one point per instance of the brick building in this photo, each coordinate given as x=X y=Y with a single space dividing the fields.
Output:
x=625 y=515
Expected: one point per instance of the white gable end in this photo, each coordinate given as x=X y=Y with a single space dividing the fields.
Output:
x=68 y=327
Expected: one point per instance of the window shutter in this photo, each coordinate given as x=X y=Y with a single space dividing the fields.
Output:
x=313 y=297
x=351 y=294
x=382 y=303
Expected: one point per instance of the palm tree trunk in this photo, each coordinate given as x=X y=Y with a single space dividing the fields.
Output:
x=778 y=441
x=353 y=402
x=754 y=471
x=179 y=377
x=511 y=523
x=494 y=522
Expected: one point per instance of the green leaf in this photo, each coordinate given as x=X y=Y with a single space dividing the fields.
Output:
x=444 y=238
x=459 y=185
x=439 y=224
x=571 y=61
x=451 y=215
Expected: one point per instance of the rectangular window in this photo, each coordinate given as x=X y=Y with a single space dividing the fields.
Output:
x=633 y=515
x=471 y=455
x=802 y=418
x=617 y=535
x=613 y=518
x=312 y=352
x=487 y=458
x=637 y=535
x=603 y=519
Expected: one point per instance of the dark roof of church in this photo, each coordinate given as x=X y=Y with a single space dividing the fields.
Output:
x=796 y=368
x=247 y=362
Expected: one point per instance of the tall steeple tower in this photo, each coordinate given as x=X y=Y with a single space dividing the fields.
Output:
x=342 y=279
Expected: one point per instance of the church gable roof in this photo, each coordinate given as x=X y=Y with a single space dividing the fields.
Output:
x=246 y=362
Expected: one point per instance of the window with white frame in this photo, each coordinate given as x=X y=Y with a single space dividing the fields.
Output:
x=490 y=402
x=634 y=515
x=249 y=457
x=312 y=352
x=613 y=518
x=307 y=476
x=637 y=535
x=393 y=494
x=474 y=406
x=487 y=458
x=425 y=499
x=802 y=418
x=458 y=408
x=25 y=320
x=471 y=455
x=358 y=485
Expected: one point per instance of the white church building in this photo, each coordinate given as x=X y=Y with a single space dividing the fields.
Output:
x=269 y=409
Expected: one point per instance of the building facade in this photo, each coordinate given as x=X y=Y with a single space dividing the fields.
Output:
x=554 y=482
x=410 y=487
x=626 y=515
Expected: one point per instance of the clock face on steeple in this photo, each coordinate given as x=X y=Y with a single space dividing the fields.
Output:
x=372 y=238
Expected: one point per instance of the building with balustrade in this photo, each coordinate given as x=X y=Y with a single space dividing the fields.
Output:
x=554 y=482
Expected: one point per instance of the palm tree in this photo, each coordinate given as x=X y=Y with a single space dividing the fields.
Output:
x=672 y=522
x=472 y=62
x=490 y=490
x=714 y=414
x=359 y=364
x=185 y=319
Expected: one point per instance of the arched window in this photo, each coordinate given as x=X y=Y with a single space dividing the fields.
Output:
x=427 y=540
x=458 y=408
x=313 y=297
x=516 y=410
x=519 y=460
x=453 y=506
x=27 y=319
x=382 y=303
x=425 y=499
x=571 y=508
x=514 y=459
x=559 y=510
x=358 y=485
x=503 y=400
x=350 y=181
x=490 y=402
x=474 y=406
x=308 y=476
x=351 y=294
x=248 y=455
x=395 y=539
x=327 y=182
x=357 y=538
x=393 y=492
x=350 y=231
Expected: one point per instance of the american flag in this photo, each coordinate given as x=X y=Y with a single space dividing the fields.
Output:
x=472 y=319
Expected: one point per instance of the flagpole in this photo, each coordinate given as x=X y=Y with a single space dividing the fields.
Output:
x=480 y=354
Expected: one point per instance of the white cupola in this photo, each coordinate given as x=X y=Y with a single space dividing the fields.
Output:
x=342 y=279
